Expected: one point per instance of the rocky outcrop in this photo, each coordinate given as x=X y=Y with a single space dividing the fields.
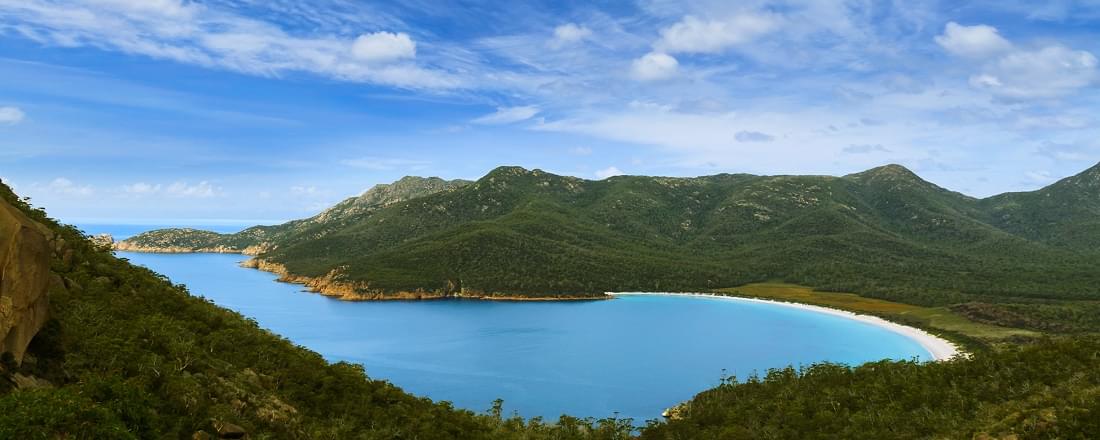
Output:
x=103 y=240
x=333 y=284
x=129 y=246
x=26 y=249
x=676 y=412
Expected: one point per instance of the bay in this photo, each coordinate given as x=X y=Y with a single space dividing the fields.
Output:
x=632 y=356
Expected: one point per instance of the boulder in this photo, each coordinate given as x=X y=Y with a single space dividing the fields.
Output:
x=28 y=382
x=229 y=430
x=24 y=279
x=103 y=240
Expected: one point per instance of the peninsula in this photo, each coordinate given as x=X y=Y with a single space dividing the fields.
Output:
x=528 y=234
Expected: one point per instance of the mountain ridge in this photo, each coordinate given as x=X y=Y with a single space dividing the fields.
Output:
x=519 y=232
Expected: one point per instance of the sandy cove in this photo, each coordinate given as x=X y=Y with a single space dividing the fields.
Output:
x=940 y=349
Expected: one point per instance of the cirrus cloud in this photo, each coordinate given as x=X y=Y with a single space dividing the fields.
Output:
x=508 y=115
x=214 y=36
x=65 y=186
x=179 y=189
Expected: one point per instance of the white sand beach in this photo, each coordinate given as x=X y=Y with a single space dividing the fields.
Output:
x=940 y=349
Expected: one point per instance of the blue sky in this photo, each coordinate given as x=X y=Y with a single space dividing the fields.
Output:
x=176 y=110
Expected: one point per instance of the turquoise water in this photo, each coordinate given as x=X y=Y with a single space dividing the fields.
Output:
x=632 y=356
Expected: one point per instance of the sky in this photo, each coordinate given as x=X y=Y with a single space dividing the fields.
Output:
x=172 y=111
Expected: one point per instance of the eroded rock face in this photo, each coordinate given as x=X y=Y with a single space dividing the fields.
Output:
x=24 y=279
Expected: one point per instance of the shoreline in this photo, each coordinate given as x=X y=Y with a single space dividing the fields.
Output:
x=938 y=348
x=329 y=286
x=333 y=286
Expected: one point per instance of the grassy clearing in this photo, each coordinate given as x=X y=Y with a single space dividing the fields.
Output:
x=931 y=318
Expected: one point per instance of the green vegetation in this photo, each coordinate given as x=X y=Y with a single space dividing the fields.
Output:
x=883 y=233
x=942 y=320
x=1049 y=390
x=133 y=356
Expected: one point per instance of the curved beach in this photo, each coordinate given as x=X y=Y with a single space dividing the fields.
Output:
x=940 y=349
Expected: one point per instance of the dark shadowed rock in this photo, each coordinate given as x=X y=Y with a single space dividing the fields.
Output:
x=229 y=430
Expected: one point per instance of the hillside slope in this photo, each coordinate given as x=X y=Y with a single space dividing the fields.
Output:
x=1065 y=214
x=258 y=238
x=884 y=232
x=125 y=354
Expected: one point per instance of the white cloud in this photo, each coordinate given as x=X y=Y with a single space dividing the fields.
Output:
x=301 y=190
x=693 y=35
x=214 y=36
x=386 y=163
x=141 y=188
x=654 y=66
x=200 y=190
x=508 y=115
x=1062 y=121
x=865 y=149
x=1008 y=72
x=569 y=33
x=179 y=189
x=384 y=46
x=1050 y=72
x=11 y=115
x=65 y=186
x=708 y=141
x=167 y=8
x=978 y=41
x=609 y=172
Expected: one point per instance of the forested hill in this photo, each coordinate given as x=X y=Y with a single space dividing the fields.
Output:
x=125 y=354
x=883 y=232
x=256 y=238
x=116 y=351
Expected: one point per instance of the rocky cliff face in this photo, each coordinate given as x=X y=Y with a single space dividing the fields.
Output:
x=25 y=278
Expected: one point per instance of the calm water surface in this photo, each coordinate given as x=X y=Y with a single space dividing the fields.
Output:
x=633 y=356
